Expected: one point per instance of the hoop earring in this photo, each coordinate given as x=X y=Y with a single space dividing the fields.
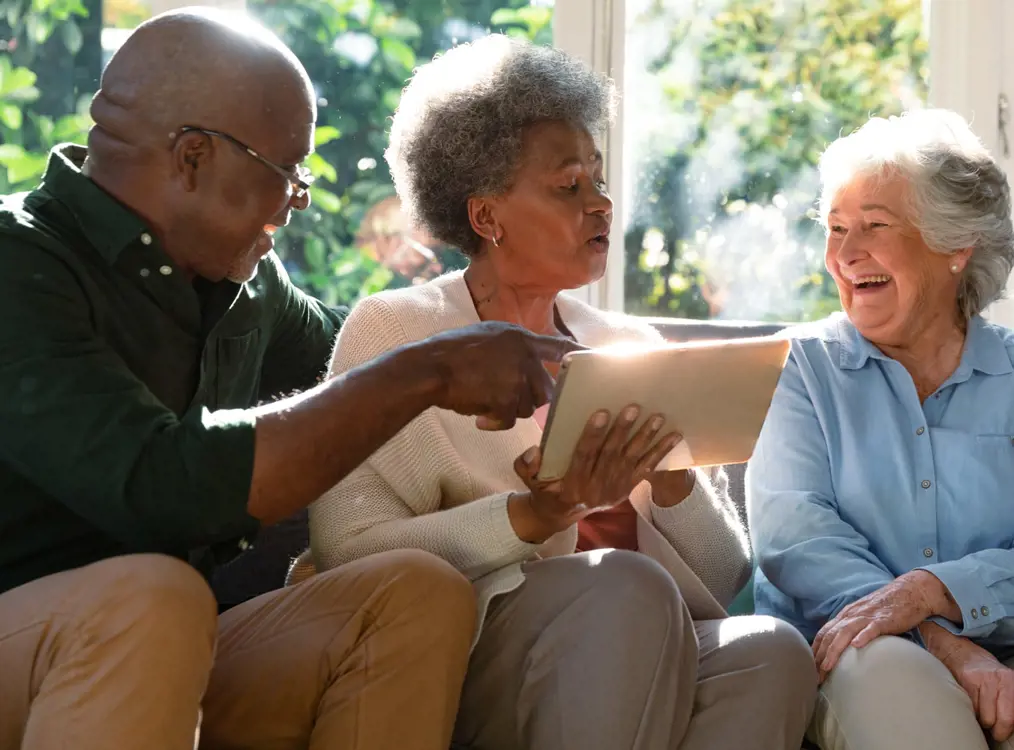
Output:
x=496 y=241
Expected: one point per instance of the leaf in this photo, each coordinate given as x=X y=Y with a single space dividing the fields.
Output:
x=319 y=167
x=10 y=116
x=504 y=17
x=28 y=168
x=10 y=152
x=17 y=83
x=72 y=36
x=71 y=129
x=325 y=134
x=398 y=53
x=326 y=200
x=404 y=28
x=38 y=28
x=315 y=254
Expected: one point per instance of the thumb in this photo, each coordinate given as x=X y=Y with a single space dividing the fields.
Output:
x=528 y=463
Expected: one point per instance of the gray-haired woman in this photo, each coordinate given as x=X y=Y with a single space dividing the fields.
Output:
x=881 y=491
x=599 y=630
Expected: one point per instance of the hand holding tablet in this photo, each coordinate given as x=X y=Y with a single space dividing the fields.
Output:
x=610 y=459
x=715 y=394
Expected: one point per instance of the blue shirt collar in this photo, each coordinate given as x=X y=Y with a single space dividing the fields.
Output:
x=985 y=350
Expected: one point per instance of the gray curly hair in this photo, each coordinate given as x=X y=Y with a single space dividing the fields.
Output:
x=958 y=194
x=457 y=132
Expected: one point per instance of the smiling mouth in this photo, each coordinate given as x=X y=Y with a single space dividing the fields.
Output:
x=871 y=282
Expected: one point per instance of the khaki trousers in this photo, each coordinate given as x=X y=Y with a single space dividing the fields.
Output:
x=597 y=651
x=894 y=694
x=122 y=654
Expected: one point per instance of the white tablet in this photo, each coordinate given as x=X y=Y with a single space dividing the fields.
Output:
x=715 y=393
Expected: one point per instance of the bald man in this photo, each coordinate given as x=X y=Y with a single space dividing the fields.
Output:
x=145 y=317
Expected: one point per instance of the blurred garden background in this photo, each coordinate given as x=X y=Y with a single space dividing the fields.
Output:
x=728 y=106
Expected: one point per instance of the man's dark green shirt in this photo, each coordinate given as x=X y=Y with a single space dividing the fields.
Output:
x=122 y=422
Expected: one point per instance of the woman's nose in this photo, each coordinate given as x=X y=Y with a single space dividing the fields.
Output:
x=600 y=202
x=851 y=249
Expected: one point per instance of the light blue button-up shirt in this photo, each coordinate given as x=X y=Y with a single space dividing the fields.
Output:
x=854 y=481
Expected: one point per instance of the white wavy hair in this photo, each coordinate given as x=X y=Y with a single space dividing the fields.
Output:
x=958 y=194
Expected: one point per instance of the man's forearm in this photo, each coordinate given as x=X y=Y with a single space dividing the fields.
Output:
x=308 y=443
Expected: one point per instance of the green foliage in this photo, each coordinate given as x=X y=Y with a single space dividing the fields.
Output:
x=35 y=30
x=726 y=183
x=360 y=54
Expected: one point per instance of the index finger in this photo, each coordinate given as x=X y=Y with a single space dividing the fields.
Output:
x=552 y=348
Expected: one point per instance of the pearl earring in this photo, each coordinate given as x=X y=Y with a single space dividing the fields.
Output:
x=954 y=268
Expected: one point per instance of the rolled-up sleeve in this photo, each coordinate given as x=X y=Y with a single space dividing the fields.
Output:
x=76 y=423
x=982 y=584
x=802 y=545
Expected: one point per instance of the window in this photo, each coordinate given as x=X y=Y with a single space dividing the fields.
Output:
x=725 y=106
x=728 y=105
x=353 y=240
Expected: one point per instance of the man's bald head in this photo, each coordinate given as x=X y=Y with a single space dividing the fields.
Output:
x=212 y=204
x=201 y=67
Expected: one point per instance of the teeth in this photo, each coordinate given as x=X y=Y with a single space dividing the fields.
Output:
x=871 y=280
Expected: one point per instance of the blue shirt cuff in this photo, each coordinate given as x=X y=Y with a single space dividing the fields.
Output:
x=980 y=609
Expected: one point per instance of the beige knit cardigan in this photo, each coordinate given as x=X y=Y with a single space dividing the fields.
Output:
x=442 y=485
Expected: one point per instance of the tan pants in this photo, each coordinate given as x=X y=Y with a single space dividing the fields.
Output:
x=601 y=654
x=894 y=694
x=122 y=654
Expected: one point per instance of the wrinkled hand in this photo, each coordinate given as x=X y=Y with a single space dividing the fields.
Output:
x=608 y=463
x=988 y=683
x=494 y=371
x=896 y=608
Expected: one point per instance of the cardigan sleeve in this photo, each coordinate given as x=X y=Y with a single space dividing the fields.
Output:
x=393 y=500
x=708 y=533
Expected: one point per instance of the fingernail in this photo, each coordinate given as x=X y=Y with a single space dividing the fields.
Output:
x=657 y=422
x=630 y=413
x=529 y=455
x=600 y=418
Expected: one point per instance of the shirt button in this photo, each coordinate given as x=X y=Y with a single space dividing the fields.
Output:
x=145 y=273
x=975 y=614
x=920 y=431
x=145 y=239
x=985 y=611
x=165 y=270
x=926 y=484
x=928 y=552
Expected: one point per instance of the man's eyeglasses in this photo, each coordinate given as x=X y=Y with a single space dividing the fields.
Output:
x=299 y=181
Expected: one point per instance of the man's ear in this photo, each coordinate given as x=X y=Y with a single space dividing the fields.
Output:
x=191 y=153
x=482 y=217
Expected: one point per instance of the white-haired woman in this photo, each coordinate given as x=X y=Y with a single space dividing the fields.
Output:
x=881 y=492
x=600 y=631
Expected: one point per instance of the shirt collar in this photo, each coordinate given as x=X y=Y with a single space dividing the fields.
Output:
x=107 y=224
x=985 y=350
